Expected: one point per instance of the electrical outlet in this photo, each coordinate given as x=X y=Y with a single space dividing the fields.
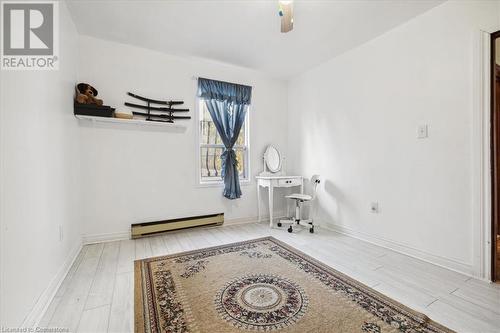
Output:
x=422 y=131
x=374 y=207
x=61 y=234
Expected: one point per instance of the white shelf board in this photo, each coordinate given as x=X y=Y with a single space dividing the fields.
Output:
x=138 y=122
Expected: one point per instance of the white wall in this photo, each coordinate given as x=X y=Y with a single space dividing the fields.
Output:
x=39 y=181
x=354 y=120
x=131 y=175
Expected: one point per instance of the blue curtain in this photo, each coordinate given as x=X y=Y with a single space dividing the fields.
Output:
x=227 y=104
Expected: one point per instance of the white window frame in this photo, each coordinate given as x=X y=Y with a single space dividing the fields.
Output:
x=219 y=182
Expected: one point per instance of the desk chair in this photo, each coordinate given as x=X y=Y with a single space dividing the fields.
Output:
x=299 y=199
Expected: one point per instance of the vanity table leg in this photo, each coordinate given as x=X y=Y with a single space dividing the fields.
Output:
x=258 y=202
x=287 y=209
x=271 y=195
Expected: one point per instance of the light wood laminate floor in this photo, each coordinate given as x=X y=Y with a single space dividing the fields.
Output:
x=97 y=294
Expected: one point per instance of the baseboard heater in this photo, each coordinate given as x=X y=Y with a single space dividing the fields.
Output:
x=152 y=228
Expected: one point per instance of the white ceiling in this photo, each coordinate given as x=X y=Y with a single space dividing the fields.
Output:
x=245 y=32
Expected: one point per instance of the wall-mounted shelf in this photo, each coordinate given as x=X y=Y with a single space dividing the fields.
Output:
x=138 y=122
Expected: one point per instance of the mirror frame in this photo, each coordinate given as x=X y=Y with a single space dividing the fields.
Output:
x=266 y=153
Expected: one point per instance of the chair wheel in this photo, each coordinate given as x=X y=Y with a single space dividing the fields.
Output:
x=279 y=224
x=290 y=229
x=311 y=230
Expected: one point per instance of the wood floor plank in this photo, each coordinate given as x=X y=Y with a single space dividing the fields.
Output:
x=143 y=248
x=72 y=303
x=221 y=238
x=172 y=243
x=158 y=247
x=71 y=272
x=486 y=298
x=126 y=256
x=184 y=241
x=199 y=237
x=348 y=258
x=121 y=317
x=393 y=259
x=210 y=237
x=230 y=235
x=404 y=294
x=94 y=320
x=94 y=250
x=364 y=276
x=434 y=287
x=486 y=315
x=458 y=319
x=354 y=243
x=49 y=313
x=101 y=291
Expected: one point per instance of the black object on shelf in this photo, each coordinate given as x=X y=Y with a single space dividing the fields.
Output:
x=153 y=108
x=93 y=110
x=161 y=115
x=154 y=101
x=154 y=113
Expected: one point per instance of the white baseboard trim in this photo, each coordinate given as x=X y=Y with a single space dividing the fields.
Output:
x=239 y=220
x=43 y=302
x=253 y=219
x=107 y=237
x=451 y=264
x=123 y=235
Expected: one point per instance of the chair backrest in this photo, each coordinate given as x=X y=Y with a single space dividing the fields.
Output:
x=314 y=184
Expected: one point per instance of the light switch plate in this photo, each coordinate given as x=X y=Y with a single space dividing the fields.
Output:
x=422 y=131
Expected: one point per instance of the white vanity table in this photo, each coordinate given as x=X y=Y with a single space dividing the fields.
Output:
x=276 y=181
x=272 y=177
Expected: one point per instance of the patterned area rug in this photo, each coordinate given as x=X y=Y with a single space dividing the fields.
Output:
x=261 y=285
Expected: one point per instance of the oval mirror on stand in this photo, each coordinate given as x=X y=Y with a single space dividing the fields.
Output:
x=272 y=160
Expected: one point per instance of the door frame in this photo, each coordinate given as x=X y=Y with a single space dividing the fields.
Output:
x=494 y=153
x=481 y=263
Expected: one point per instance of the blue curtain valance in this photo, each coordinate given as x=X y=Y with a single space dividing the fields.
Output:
x=224 y=91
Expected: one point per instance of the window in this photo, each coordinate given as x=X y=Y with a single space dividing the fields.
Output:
x=211 y=149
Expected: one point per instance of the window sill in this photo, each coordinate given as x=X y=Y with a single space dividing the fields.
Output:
x=244 y=182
